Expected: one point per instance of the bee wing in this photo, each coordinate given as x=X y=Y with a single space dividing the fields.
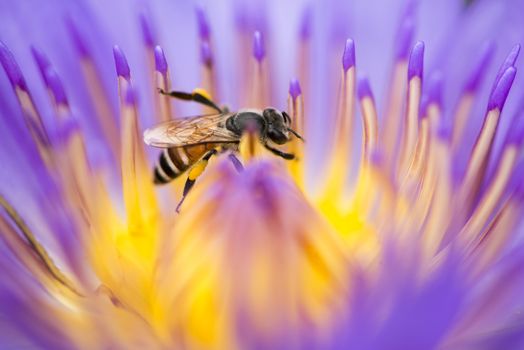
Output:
x=190 y=131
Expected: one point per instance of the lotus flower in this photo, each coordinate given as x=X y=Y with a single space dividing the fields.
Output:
x=397 y=226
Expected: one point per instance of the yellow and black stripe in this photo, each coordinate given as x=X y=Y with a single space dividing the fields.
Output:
x=176 y=160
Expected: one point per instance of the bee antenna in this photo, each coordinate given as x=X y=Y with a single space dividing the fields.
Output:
x=296 y=134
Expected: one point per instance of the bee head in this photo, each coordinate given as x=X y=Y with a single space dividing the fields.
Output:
x=277 y=125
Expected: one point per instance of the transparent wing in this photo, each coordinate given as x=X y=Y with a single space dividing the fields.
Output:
x=191 y=131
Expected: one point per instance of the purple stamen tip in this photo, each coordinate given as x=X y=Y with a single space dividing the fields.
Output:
x=203 y=24
x=479 y=69
x=160 y=60
x=65 y=129
x=206 y=54
x=364 y=88
x=294 y=89
x=376 y=157
x=433 y=93
x=78 y=40
x=131 y=96
x=147 y=33
x=444 y=129
x=55 y=85
x=510 y=60
x=435 y=83
x=416 y=61
x=122 y=68
x=405 y=37
x=501 y=90
x=41 y=61
x=348 y=58
x=11 y=67
x=306 y=22
x=259 y=51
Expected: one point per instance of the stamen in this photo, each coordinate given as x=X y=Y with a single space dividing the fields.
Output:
x=494 y=192
x=57 y=90
x=306 y=22
x=465 y=103
x=69 y=150
x=415 y=71
x=41 y=61
x=344 y=121
x=508 y=62
x=139 y=197
x=19 y=238
x=433 y=99
x=78 y=39
x=369 y=118
x=295 y=104
x=122 y=68
x=53 y=83
x=259 y=51
x=437 y=191
x=478 y=72
x=405 y=38
x=501 y=90
x=162 y=102
x=498 y=232
x=296 y=107
x=147 y=33
x=480 y=154
x=342 y=140
x=393 y=115
x=32 y=118
x=304 y=48
x=206 y=55
x=430 y=123
x=259 y=92
x=97 y=90
x=203 y=24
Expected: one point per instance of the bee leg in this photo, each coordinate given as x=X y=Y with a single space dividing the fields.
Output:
x=279 y=153
x=198 y=95
x=196 y=170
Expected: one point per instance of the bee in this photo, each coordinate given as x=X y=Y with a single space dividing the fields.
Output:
x=189 y=143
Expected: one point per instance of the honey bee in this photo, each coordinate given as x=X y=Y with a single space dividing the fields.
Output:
x=189 y=143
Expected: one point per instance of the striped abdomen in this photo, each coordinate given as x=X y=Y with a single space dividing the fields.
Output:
x=176 y=160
